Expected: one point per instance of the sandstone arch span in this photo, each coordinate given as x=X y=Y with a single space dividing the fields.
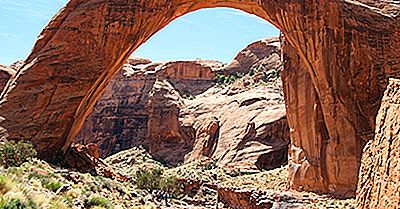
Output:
x=338 y=55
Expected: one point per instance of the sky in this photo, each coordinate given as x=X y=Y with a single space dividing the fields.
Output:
x=217 y=34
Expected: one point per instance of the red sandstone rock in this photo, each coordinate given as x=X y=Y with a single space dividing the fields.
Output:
x=348 y=49
x=82 y=157
x=258 y=55
x=138 y=109
x=379 y=180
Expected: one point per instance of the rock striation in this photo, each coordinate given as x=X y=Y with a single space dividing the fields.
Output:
x=379 y=181
x=5 y=74
x=348 y=49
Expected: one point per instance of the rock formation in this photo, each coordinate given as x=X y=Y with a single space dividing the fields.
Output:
x=348 y=50
x=379 y=180
x=140 y=107
x=143 y=105
x=260 y=54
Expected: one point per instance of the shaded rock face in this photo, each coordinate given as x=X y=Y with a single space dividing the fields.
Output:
x=143 y=105
x=379 y=181
x=348 y=48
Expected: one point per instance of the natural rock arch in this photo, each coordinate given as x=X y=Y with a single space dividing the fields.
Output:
x=338 y=55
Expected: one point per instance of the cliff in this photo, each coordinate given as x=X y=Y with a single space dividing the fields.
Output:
x=179 y=113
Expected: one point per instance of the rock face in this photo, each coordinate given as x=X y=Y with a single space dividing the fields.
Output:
x=246 y=130
x=143 y=105
x=379 y=181
x=348 y=50
x=260 y=54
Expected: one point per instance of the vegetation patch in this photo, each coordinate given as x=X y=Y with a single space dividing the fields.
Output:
x=13 y=154
x=98 y=201
x=153 y=179
x=225 y=80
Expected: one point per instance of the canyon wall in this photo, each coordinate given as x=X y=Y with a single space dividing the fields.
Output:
x=141 y=105
x=349 y=50
x=179 y=113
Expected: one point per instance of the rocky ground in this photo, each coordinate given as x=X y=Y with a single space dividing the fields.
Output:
x=37 y=184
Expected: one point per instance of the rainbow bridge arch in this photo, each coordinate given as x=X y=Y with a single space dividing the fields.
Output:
x=336 y=70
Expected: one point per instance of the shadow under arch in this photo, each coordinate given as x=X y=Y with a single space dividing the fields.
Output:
x=326 y=47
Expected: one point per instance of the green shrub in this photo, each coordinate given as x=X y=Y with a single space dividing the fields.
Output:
x=224 y=80
x=171 y=185
x=53 y=185
x=153 y=179
x=98 y=201
x=6 y=203
x=13 y=154
x=271 y=75
x=148 y=179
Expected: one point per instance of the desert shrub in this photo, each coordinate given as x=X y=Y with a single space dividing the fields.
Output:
x=171 y=185
x=223 y=80
x=148 y=179
x=13 y=154
x=5 y=185
x=53 y=185
x=15 y=203
x=59 y=204
x=270 y=75
x=153 y=179
x=97 y=201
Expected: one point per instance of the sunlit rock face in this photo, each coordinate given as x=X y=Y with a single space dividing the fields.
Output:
x=348 y=49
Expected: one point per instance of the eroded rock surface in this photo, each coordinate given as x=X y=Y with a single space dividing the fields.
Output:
x=141 y=106
x=178 y=112
x=348 y=48
x=379 y=180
